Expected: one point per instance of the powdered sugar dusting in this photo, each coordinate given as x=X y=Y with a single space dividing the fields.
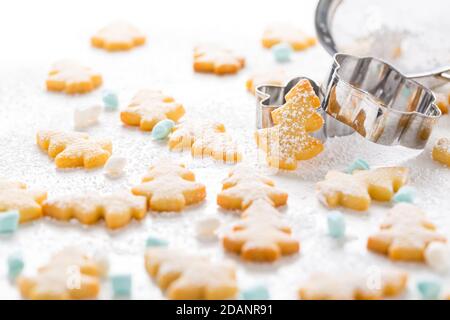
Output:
x=288 y=140
x=166 y=63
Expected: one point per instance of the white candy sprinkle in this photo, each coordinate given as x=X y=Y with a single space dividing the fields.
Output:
x=115 y=166
x=86 y=117
x=437 y=256
x=206 y=228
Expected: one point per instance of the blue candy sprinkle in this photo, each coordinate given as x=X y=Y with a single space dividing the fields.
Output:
x=121 y=285
x=110 y=100
x=282 y=52
x=336 y=224
x=9 y=221
x=429 y=290
x=405 y=194
x=15 y=265
x=358 y=164
x=162 y=129
x=156 y=242
x=256 y=293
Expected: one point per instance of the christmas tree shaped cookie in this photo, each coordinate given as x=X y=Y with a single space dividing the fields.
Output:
x=118 y=36
x=276 y=77
x=441 y=151
x=116 y=209
x=16 y=196
x=355 y=191
x=214 y=59
x=205 y=139
x=170 y=187
x=289 y=140
x=354 y=286
x=404 y=234
x=244 y=186
x=70 y=274
x=148 y=107
x=71 y=77
x=261 y=235
x=185 y=276
x=74 y=149
x=288 y=34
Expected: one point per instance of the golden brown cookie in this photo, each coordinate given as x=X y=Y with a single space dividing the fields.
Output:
x=287 y=33
x=70 y=274
x=443 y=97
x=170 y=187
x=355 y=191
x=74 y=149
x=260 y=235
x=118 y=36
x=244 y=186
x=441 y=151
x=16 y=196
x=205 y=139
x=71 y=77
x=290 y=140
x=185 y=276
x=351 y=286
x=273 y=77
x=404 y=234
x=148 y=107
x=443 y=101
x=214 y=59
x=116 y=209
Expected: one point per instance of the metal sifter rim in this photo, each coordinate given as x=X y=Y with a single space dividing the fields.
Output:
x=324 y=16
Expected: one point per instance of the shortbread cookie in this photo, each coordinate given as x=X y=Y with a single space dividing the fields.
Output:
x=274 y=77
x=441 y=151
x=443 y=101
x=74 y=149
x=244 y=186
x=351 y=286
x=70 y=274
x=118 y=36
x=260 y=235
x=170 y=187
x=289 y=140
x=205 y=139
x=116 y=209
x=148 y=107
x=443 y=97
x=384 y=182
x=355 y=191
x=71 y=77
x=185 y=276
x=289 y=34
x=16 y=196
x=404 y=234
x=214 y=59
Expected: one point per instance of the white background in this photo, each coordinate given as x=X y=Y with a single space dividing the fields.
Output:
x=34 y=34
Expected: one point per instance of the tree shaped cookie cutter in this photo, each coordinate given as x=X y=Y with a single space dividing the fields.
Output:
x=365 y=95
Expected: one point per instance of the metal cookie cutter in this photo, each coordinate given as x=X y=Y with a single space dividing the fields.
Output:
x=270 y=97
x=368 y=96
